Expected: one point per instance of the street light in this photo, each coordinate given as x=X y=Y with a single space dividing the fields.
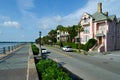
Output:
x=40 y=38
x=40 y=50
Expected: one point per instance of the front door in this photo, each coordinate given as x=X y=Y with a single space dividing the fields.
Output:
x=100 y=40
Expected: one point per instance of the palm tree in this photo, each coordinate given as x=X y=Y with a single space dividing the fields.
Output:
x=72 y=32
x=79 y=29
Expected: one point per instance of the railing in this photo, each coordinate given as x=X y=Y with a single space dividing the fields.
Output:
x=5 y=50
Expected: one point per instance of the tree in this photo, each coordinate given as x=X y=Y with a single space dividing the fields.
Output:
x=72 y=32
x=61 y=28
x=79 y=29
x=52 y=34
x=45 y=39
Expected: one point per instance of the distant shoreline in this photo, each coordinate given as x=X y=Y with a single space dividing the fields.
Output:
x=13 y=42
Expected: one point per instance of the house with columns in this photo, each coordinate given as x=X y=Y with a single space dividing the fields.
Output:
x=103 y=27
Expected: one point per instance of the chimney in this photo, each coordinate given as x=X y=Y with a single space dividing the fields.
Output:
x=100 y=7
x=106 y=13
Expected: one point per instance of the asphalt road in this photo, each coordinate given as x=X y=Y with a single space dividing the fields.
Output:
x=86 y=67
x=14 y=66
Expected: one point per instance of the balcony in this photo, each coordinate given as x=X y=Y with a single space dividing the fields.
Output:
x=100 y=33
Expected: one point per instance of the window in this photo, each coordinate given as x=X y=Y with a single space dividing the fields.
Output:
x=58 y=33
x=86 y=20
x=58 y=38
x=87 y=29
x=86 y=38
x=102 y=28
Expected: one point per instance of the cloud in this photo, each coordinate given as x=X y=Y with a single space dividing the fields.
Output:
x=4 y=18
x=73 y=18
x=11 y=24
x=48 y=23
x=24 y=7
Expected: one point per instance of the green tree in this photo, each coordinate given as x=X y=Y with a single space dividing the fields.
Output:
x=61 y=28
x=79 y=29
x=72 y=32
x=45 y=39
x=52 y=34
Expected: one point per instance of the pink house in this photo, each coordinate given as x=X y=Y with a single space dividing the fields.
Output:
x=102 y=27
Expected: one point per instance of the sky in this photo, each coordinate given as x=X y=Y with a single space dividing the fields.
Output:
x=21 y=20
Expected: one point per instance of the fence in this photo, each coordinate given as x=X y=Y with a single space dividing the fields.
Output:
x=5 y=50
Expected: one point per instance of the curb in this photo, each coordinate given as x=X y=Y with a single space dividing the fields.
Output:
x=31 y=70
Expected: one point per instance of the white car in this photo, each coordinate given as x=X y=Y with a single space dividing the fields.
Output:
x=67 y=48
x=44 y=50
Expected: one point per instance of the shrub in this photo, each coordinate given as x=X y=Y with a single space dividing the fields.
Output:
x=51 y=71
x=82 y=46
x=90 y=44
x=60 y=44
x=35 y=49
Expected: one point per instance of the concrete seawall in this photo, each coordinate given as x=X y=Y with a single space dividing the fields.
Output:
x=31 y=71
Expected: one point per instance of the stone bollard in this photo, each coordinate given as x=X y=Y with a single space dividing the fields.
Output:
x=8 y=48
x=4 y=50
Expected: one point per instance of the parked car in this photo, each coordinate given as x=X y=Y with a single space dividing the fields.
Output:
x=67 y=48
x=44 y=50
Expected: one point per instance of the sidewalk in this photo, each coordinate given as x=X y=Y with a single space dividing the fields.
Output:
x=112 y=56
x=14 y=66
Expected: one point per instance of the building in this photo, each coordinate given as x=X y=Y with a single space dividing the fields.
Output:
x=103 y=27
x=62 y=36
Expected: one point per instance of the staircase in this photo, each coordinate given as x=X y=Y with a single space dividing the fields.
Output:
x=96 y=48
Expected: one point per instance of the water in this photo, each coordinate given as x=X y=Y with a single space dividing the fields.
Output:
x=5 y=44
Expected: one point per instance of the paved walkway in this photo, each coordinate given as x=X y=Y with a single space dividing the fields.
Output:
x=14 y=66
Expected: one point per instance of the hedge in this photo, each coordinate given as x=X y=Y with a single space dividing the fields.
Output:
x=50 y=71
x=35 y=49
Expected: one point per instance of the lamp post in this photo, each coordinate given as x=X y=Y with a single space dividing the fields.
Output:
x=40 y=38
x=40 y=50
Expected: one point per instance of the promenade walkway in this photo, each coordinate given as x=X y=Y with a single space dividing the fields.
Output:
x=14 y=66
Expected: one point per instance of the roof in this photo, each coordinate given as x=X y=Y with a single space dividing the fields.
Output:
x=112 y=17
x=98 y=16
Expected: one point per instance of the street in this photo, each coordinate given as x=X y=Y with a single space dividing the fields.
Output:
x=86 y=67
